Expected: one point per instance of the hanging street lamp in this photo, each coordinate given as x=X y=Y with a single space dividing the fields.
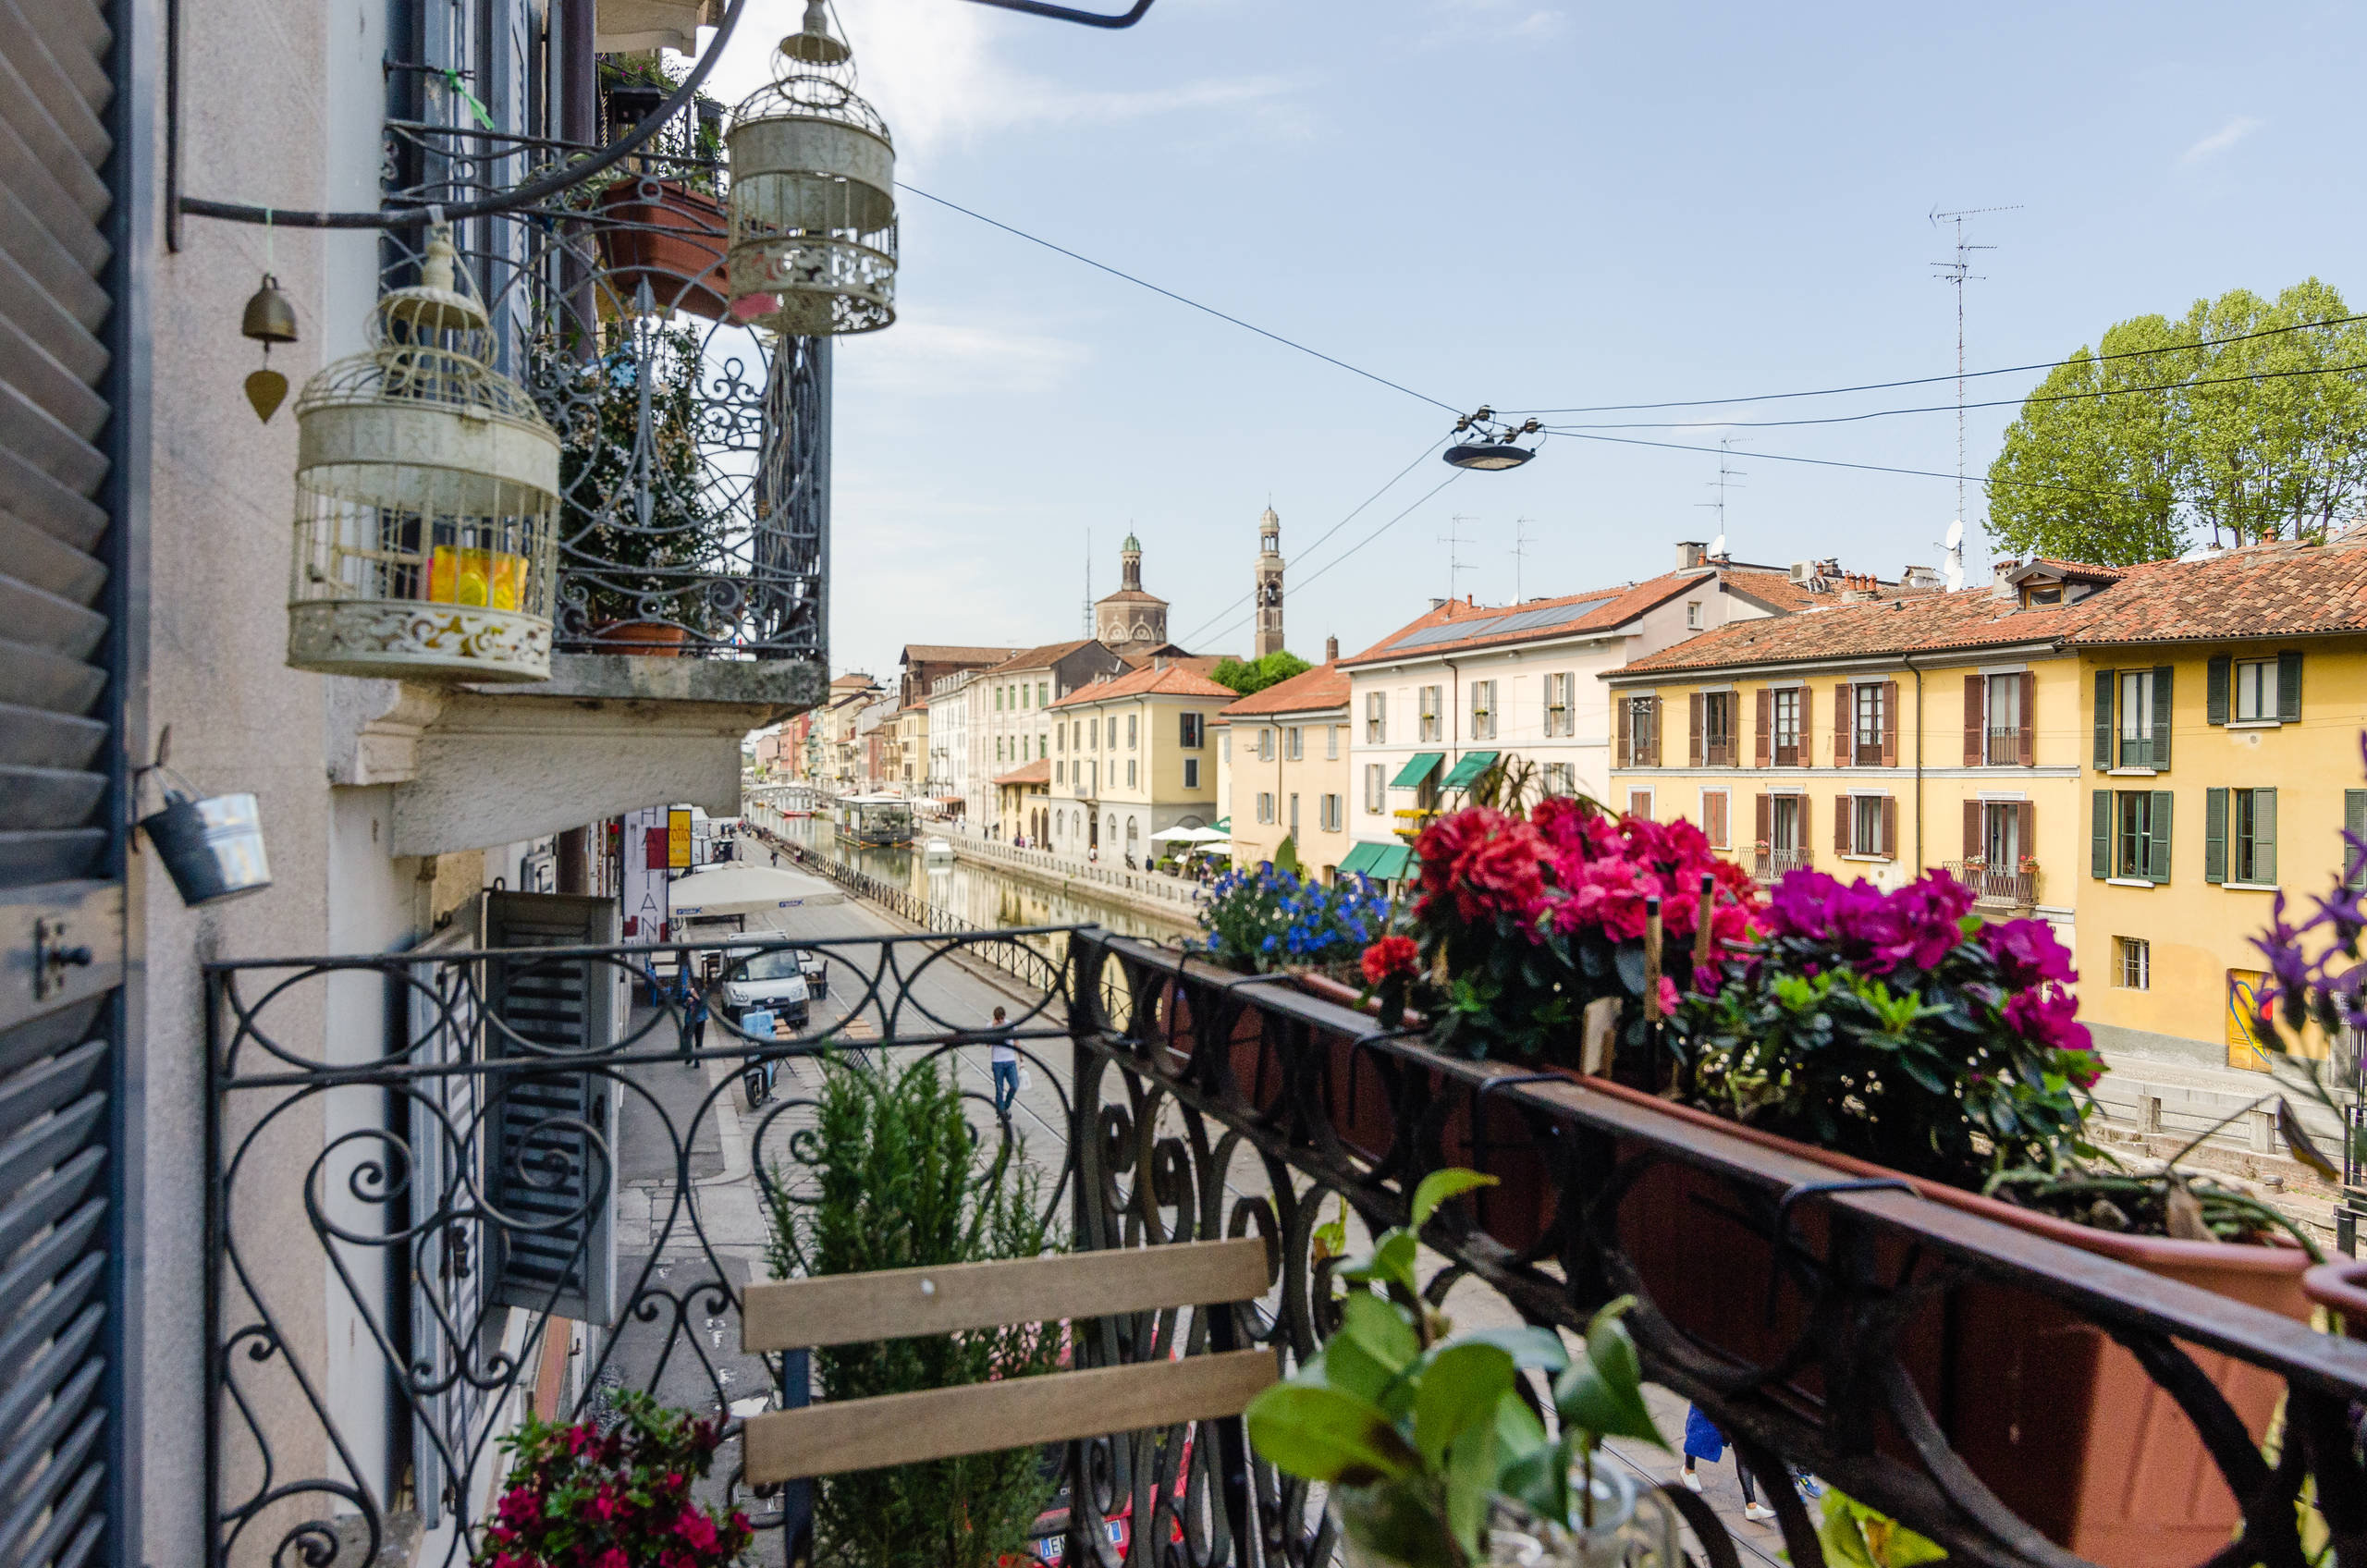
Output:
x=1495 y=444
x=813 y=196
x=426 y=500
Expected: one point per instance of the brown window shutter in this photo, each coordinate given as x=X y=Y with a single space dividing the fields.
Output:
x=1808 y=854
x=1766 y=748
x=1844 y=815
x=1889 y=723
x=1693 y=743
x=2027 y=745
x=1659 y=711
x=1619 y=753
x=1890 y=827
x=1972 y=830
x=1808 y=734
x=1766 y=814
x=2026 y=826
x=1844 y=720
x=1976 y=719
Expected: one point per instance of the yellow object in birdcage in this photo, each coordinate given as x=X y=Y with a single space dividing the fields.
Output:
x=426 y=500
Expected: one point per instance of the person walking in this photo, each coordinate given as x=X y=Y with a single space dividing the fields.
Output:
x=1703 y=1440
x=692 y=1001
x=1004 y=1058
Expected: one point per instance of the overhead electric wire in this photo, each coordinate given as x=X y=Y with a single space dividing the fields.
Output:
x=1952 y=407
x=1835 y=462
x=1327 y=566
x=1935 y=380
x=1317 y=541
x=1179 y=298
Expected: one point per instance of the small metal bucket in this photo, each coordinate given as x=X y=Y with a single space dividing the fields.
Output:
x=212 y=848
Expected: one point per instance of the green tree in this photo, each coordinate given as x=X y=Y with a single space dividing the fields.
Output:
x=1255 y=674
x=2118 y=461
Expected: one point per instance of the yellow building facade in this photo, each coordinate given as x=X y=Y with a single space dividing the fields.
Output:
x=1133 y=756
x=1282 y=771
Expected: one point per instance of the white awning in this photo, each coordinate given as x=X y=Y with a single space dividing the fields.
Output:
x=738 y=888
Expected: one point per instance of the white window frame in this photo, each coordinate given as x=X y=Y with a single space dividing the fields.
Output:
x=1483 y=710
x=1331 y=743
x=1430 y=700
x=1294 y=743
x=2261 y=676
x=1376 y=788
x=1376 y=718
x=2132 y=964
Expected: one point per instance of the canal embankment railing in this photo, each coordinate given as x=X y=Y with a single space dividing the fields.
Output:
x=1150 y=892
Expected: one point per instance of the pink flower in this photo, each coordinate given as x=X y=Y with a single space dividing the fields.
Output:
x=519 y=1505
x=1392 y=957
x=2049 y=1018
x=614 y=1558
x=2028 y=953
x=696 y=1527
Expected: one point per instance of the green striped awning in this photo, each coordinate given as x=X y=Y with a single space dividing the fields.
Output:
x=1417 y=768
x=1468 y=770
x=1384 y=863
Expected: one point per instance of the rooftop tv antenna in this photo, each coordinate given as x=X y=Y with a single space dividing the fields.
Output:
x=1454 y=541
x=1089 y=582
x=1518 y=552
x=1727 y=475
x=1957 y=273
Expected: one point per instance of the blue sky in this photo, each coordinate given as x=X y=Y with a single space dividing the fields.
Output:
x=1529 y=202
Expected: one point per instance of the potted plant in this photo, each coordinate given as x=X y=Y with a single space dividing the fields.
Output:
x=669 y=231
x=1430 y=1454
x=621 y=1498
x=631 y=583
x=1272 y=918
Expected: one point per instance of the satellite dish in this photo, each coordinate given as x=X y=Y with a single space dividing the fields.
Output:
x=1718 y=548
x=1955 y=573
x=1956 y=534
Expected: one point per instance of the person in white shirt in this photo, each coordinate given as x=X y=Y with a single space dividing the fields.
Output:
x=1005 y=1058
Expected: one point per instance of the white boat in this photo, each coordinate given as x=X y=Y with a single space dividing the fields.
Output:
x=938 y=849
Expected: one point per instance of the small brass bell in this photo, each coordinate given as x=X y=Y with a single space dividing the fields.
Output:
x=269 y=319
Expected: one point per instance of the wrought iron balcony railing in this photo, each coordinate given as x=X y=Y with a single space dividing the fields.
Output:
x=1773 y=863
x=694 y=464
x=1996 y=886
x=507 y=1217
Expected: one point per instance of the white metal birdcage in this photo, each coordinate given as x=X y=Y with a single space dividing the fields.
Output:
x=813 y=195
x=426 y=500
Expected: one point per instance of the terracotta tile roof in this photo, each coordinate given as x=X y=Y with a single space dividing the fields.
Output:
x=2261 y=591
x=1037 y=772
x=1130 y=596
x=940 y=653
x=1040 y=658
x=1618 y=605
x=843 y=683
x=1325 y=686
x=1864 y=630
x=1172 y=654
x=1174 y=680
x=1774 y=589
x=2081 y=571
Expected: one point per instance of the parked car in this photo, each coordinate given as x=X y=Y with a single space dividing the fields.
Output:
x=774 y=980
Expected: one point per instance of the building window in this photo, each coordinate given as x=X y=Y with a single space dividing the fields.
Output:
x=1191 y=773
x=1193 y=730
x=2255 y=689
x=1294 y=823
x=1865 y=834
x=1639 y=805
x=1376 y=718
x=1096 y=733
x=2005 y=726
x=1560 y=718
x=1043 y=690
x=1718 y=728
x=1264 y=744
x=1560 y=779
x=999 y=744
x=1787 y=726
x=1331 y=743
x=1784 y=830
x=1717 y=821
x=1293 y=744
x=1693 y=615
x=1869 y=722
x=1432 y=715
x=2137 y=718
x=1483 y=710
x=1376 y=790
x=1265 y=805
x=2132 y=834
x=997 y=699
x=1130 y=773
x=1224 y=745
x=1329 y=813
x=1643 y=734
x=1133 y=725
x=2039 y=596
x=2132 y=964
x=1043 y=746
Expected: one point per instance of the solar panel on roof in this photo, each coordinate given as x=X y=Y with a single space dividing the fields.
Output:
x=1496 y=626
x=1447 y=632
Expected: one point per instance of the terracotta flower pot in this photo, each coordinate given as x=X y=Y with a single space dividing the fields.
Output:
x=642 y=639
x=670 y=237
x=2054 y=1417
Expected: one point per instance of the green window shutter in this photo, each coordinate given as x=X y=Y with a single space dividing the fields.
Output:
x=2103 y=720
x=2157 y=843
x=2215 y=835
x=2288 y=688
x=2263 y=835
x=2161 y=674
x=2354 y=822
x=2099 y=836
x=2215 y=699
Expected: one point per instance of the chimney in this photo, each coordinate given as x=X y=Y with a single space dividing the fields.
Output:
x=1331 y=650
x=1438 y=604
x=1998 y=587
x=1691 y=553
x=1159 y=662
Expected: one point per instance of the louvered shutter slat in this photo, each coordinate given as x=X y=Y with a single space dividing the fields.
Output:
x=61 y=266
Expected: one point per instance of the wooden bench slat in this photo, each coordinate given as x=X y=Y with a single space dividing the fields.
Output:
x=864 y=1434
x=887 y=1304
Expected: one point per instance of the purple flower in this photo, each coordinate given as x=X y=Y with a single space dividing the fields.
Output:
x=2028 y=953
x=2050 y=1018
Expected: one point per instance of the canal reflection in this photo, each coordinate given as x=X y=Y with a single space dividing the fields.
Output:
x=979 y=892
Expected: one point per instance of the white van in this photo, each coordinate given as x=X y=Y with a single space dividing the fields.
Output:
x=774 y=980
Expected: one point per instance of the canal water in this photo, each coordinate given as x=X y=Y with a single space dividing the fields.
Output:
x=979 y=892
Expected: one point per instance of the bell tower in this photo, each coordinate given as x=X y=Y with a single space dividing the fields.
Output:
x=1270 y=583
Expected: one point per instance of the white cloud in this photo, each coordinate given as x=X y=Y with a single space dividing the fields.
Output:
x=927 y=355
x=1496 y=20
x=2219 y=140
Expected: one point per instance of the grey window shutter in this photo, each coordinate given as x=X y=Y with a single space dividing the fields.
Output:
x=2157 y=843
x=2354 y=822
x=2099 y=836
x=2161 y=674
x=62 y=668
x=2217 y=678
x=2215 y=835
x=2263 y=835
x=2104 y=720
x=551 y=1169
x=2288 y=687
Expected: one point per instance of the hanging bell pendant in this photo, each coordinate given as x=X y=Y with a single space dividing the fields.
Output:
x=269 y=317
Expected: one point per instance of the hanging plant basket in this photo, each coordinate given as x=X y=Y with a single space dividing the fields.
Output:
x=663 y=235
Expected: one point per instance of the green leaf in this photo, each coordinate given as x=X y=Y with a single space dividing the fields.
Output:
x=1538 y=1349
x=1519 y=1431
x=1539 y=1479
x=1470 y=1482
x=1343 y=1364
x=1441 y=1185
x=1381 y=1329
x=1326 y=1435
x=1592 y=1403
x=1458 y=1391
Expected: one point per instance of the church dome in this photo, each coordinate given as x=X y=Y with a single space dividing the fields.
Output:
x=1131 y=543
x=1268 y=518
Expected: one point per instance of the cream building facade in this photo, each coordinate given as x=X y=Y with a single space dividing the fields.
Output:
x=1133 y=755
x=1283 y=770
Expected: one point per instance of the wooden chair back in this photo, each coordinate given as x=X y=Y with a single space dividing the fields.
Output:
x=910 y=1428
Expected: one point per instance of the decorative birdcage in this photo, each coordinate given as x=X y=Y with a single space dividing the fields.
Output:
x=813 y=195
x=426 y=500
